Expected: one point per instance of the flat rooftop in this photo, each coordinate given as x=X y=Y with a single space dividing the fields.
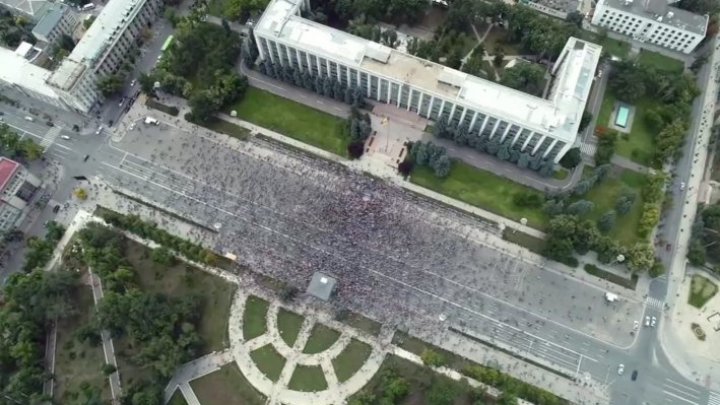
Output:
x=16 y=70
x=49 y=19
x=560 y=114
x=7 y=170
x=660 y=11
x=32 y=8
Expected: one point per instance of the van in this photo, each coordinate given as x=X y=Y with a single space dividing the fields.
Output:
x=29 y=118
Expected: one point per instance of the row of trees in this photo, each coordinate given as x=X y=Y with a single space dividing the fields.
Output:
x=147 y=230
x=631 y=81
x=430 y=155
x=525 y=76
x=199 y=65
x=502 y=150
x=162 y=330
x=605 y=146
x=375 y=33
x=340 y=12
x=705 y=240
x=325 y=86
x=40 y=251
x=447 y=47
x=14 y=30
x=15 y=148
x=359 y=129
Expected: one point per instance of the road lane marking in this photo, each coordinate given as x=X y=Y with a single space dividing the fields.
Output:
x=679 y=397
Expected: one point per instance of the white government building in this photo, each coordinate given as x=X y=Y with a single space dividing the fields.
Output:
x=652 y=21
x=535 y=125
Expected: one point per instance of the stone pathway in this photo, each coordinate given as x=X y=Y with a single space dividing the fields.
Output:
x=278 y=392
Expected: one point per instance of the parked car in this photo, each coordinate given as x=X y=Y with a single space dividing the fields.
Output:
x=634 y=375
x=647 y=321
x=621 y=369
x=49 y=123
x=65 y=137
x=653 y=321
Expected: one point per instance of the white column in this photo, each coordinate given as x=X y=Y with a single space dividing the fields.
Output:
x=430 y=107
x=537 y=146
x=494 y=128
x=517 y=135
x=452 y=112
x=507 y=129
x=389 y=90
x=317 y=62
x=472 y=121
x=289 y=56
x=399 y=94
x=462 y=116
x=529 y=138
x=550 y=147
x=409 y=101
x=442 y=108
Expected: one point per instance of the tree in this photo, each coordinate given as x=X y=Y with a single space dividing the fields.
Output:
x=441 y=166
x=420 y=153
x=642 y=257
x=499 y=56
x=649 y=218
x=524 y=76
x=110 y=84
x=162 y=255
x=605 y=148
x=523 y=161
x=432 y=358
x=606 y=221
x=503 y=152
x=81 y=194
x=585 y=121
x=571 y=159
x=442 y=392
x=576 y=18
x=204 y=105
x=440 y=127
x=580 y=207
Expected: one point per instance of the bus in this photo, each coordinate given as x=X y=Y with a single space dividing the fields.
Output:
x=167 y=43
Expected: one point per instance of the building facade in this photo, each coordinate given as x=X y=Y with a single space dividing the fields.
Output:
x=103 y=50
x=532 y=124
x=17 y=74
x=652 y=21
x=57 y=20
x=17 y=187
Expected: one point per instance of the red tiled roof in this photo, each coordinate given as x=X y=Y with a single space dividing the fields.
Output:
x=7 y=170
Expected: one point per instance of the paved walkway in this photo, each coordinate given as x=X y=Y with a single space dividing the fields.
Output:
x=194 y=369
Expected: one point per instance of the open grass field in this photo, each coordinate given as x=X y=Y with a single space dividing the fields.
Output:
x=293 y=119
x=268 y=361
x=701 y=291
x=308 y=379
x=181 y=280
x=660 y=61
x=226 y=386
x=255 y=317
x=481 y=189
x=362 y=323
x=228 y=128
x=605 y=194
x=289 y=324
x=640 y=143
x=177 y=399
x=77 y=363
x=321 y=338
x=349 y=361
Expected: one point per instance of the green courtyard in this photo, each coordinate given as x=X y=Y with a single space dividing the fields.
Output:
x=660 y=61
x=701 y=291
x=639 y=144
x=293 y=119
x=482 y=189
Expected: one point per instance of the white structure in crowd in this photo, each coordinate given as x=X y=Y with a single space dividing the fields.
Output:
x=17 y=186
x=58 y=19
x=102 y=50
x=652 y=21
x=533 y=125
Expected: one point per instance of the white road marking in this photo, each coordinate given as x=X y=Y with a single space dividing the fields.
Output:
x=679 y=397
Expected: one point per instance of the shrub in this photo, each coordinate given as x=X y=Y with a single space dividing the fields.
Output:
x=432 y=358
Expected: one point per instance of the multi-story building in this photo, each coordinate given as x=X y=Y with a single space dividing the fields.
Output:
x=18 y=74
x=17 y=186
x=546 y=126
x=57 y=20
x=652 y=21
x=102 y=50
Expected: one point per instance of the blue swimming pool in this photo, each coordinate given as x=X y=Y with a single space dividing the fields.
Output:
x=621 y=118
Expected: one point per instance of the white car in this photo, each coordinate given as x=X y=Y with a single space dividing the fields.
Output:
x=132 y=83
x=636 y=325
x=653 y=321
x=647 y=321
x=682 y=186
x=65 y=137
x=621 y=369
x=100 y=128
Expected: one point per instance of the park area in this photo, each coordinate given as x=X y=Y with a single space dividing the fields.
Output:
x=482 y=189
x=293 y=119
x=702 y=290
x=639 y=144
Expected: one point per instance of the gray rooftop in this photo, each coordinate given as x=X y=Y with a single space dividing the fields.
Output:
x=32 y=8
x=660 y=11
x=321 y=286
x=49 y=20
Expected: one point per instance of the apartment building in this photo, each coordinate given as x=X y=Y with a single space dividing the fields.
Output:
x=31 y=9
x=652 y=21
x=57 y=20
x=533 y=125
x=17 y=186
x=102 y=50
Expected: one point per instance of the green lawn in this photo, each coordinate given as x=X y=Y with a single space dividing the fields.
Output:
x=77 y=363
x=482 y=189
x=308 y=379
x=349 y=361
x=228 y=128
x=268 y=361
x=177 y=399
x=660 y=61
x=293 y=119
x=255 y=317
x=216 y=7
x=497 y=37
x=614 y=47
x=605 y=194
x=362 y=323
x=701 y=291
x=289 y=324
x=529 y=242
x=640 y=144
x=226 y=386
x=181 y=280
x=321 y=338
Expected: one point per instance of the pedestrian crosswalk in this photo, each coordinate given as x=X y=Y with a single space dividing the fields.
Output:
x=714 y=398
x=588 y=148
x=655 y=303
x=50 y=137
